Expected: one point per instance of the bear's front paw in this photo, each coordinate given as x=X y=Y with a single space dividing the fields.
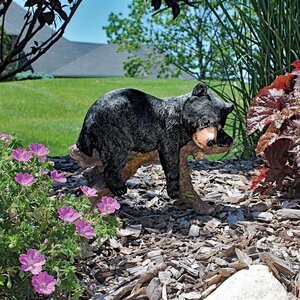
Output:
x=120 y=191
x=115 y=183
x=117 y=190
x=173 y=194
x=173 y=189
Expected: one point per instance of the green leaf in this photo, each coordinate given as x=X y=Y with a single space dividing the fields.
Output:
x=8 y=284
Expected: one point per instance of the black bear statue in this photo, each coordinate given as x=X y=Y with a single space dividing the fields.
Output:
x=127 y=125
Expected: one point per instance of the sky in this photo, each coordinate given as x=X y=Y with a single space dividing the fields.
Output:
x=91 y=16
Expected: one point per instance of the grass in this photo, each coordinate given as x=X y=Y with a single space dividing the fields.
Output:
x=52 y=111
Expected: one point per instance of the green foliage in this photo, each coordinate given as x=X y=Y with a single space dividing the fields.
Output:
x=186 y=42
x=264 y=39
x=28 y=75
x=29 y=219
x=5 y=43
x=5 y=48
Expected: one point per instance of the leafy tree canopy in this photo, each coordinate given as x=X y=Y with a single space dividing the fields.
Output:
x=190 y=42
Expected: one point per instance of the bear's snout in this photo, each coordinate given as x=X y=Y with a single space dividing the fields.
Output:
x=205 y=137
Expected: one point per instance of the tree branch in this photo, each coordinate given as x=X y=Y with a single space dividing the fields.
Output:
x=38 y=51
x=5 y=7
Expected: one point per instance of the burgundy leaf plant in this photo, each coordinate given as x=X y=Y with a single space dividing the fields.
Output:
x=276 y=112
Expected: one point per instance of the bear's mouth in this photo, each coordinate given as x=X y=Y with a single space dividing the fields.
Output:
x=212 y=137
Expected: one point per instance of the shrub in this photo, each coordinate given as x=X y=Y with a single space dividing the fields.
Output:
x=41 y=235
x=28 y=75
x=276 y=108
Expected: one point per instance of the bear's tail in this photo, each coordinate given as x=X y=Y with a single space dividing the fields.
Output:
x=84 y=144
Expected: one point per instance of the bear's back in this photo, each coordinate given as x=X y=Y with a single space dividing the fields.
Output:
x=125 y=105
x=130 y=116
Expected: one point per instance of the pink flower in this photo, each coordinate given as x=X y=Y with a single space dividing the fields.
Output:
x=88 y=192
x=21 y=155
x=108 y=205
x=25 y=179
x=68 y=214
x=42 y=159
x=39 y=150
x=43 y=171
x=32 y=261
x=85 y=229
x=58 y=177
x=43 y=283
x=5 y=137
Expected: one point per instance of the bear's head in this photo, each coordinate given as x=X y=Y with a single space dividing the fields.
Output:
x=204 y=116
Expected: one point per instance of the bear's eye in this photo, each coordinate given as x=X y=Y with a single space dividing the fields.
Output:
x=205 y=121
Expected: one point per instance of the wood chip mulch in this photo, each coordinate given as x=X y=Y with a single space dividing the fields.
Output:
x=166 y=251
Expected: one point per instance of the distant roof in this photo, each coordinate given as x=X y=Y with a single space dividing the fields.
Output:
x=109 y=63
x=14 y=19
x=61 y=53
x=71 y=59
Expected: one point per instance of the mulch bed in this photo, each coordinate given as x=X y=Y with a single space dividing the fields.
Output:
x=167 y=251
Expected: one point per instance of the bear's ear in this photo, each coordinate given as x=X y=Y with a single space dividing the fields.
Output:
x=199 y=90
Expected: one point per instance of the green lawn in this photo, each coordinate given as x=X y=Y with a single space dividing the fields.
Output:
x=52 y=111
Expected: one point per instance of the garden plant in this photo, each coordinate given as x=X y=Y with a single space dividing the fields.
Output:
x=264 y=42
x=41 y=234
x=276 y=111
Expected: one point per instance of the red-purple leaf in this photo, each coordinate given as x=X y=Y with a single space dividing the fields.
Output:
x=156 y=4
x=283 y=82
x=175 y=10
x=296 y=64
x=277 y=159
x=257 y=179
x=30 y=3
x=62 y=14
x=264 y=110
x=265 y=141
x=55 y=4
x=278 y=107
x=47 y=17
x=34 y=50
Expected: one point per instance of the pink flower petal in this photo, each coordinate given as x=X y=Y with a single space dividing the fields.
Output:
x=43 y=283
x=58 y=177
x=5 y=137
x=85 y=229
x=108 y=205
x=39 y=150
x=88 y=192
x=32 y=261
x=21 y=155
x=24 y=179
x=68 y=214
